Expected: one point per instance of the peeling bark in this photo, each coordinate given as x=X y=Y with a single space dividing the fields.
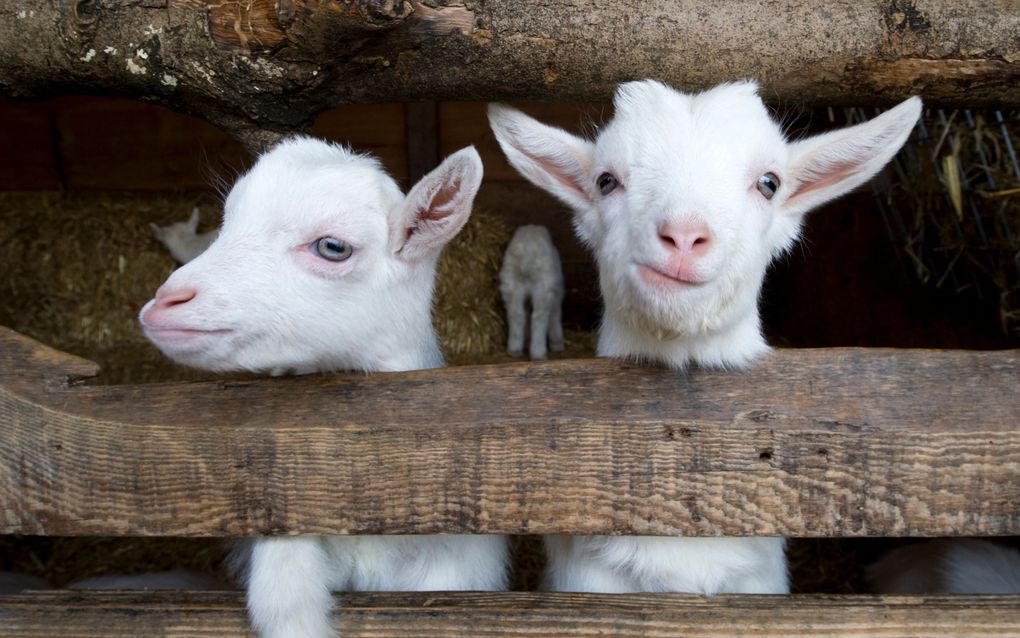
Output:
x=262 y=68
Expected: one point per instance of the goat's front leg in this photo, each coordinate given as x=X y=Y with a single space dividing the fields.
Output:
x=288 y=588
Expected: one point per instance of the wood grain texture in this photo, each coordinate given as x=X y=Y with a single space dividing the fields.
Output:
x=477 y=615
x=261 y=69
x=809 y=443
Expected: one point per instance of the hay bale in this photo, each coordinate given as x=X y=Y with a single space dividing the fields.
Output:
x=77 y=267
x=468 y=312
x=954 y=198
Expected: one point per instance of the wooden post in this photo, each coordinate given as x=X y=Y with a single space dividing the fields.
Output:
x=422 y=139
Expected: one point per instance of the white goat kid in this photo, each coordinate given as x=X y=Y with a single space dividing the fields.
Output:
x=322 y=264
x=170 y=579
x=182 y=239
x=13 y=582
x=532 y=275
x=685 y=200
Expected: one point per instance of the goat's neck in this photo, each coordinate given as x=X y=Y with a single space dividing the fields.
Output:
x=420 y=354
x=403 y=341
x=734 y=346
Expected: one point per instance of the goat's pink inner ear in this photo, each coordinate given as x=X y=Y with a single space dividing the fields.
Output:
x=819 y=180
x=561 y=170
x=443 y=203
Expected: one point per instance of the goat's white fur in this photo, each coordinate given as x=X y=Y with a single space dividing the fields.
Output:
x=13 y=582
x=182 y=239
x=262 y=300
x=531 y=275
x=690 y=161
x=952 y=566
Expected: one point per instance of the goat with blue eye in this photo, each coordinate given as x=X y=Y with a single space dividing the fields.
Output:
x=332 y=249
x=297 y=302
x=685 y=200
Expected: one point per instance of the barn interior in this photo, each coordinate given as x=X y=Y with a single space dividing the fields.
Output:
x=913 y=260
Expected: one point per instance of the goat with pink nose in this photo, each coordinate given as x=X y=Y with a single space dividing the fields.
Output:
x=685 y=200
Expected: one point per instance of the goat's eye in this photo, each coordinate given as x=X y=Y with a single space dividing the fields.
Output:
x=606 y=183
x=768 y=184
x=332 y=249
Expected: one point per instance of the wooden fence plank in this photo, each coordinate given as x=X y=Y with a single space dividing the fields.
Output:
x=843 y=442
x=478 y=615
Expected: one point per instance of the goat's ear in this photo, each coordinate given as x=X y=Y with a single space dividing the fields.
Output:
x=826 y=166
x=193 y=220
x=156 y=231
x=437 y=206
x=548 y=157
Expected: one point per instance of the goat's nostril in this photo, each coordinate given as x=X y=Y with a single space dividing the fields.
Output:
x=174 y=297
x=686 y=238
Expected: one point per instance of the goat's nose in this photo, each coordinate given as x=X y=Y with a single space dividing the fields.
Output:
x=166 y=298
x=687 y=239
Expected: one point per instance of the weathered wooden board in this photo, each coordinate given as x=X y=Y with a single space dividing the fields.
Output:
x=262 y=68
x=477 y=615
x=810 y=443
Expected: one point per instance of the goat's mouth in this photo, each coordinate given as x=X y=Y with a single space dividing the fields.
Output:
x=181 y=334
x=661 y=279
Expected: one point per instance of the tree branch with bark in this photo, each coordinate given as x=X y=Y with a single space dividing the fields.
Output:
x=263 y=68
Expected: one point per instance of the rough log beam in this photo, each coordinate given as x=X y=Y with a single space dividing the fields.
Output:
x=516 y=614
x=261 y=68
x=855 y=442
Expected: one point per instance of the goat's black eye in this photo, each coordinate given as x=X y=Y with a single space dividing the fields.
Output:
x=332 y=248
x=606 y=183
x=768 y=184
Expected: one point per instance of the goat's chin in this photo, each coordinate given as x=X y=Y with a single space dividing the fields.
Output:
x=212 y=350
x=667 y=312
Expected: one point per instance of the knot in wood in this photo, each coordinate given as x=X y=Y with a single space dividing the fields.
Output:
x=386 y=12
x=758 y=416
x=285 y=12
x=85 y=12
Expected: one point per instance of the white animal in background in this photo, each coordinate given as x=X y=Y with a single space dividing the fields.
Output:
x=531 y=276
x=685 y=200
x=170 y=579
x=13 y=582
x=322 y=264
x=182 y=239
x=954 y=566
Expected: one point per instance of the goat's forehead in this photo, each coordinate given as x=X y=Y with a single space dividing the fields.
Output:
x=666 y=123
x=294 y=195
